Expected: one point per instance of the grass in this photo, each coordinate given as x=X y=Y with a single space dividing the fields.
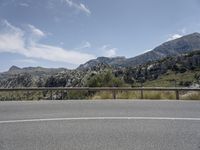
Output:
x=166 y=80
x=159 y=95
x=102 y=95
x=191 y=96
x=17 y=96
x=153 y=95
x=129 y=95
x=135 y=95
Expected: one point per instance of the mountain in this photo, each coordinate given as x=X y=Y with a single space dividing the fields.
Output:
x=175 y=47
x=185 y=69
x=28 y=76
x=32 y=73
x=114 y=62
x=14 y=68
x=35 y=71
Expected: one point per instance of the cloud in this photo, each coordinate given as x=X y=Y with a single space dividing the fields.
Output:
x=84 y=45
x=173 y=37
x=87 y=45
x=53 y=53
x=183 y=30
x=80 y=7
x=108 y=51
x=14 y=40
x=83 y=8
x=36 y=31
x=11 y=38
x=24 y=4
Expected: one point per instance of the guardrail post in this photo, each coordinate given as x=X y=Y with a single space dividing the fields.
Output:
x=114 y=94
x=142 y=94
x=62 y=94
x=177 y=94
x=51 y=92
x=9 y=96
x=27 y=95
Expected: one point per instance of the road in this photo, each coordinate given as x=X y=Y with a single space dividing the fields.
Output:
x=100 y=125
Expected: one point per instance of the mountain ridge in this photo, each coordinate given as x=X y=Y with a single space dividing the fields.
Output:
x=175 y=47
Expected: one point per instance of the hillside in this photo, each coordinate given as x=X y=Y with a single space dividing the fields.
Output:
x=25 y=77
x=113 y=62
x=181 y=70
x=175 y=47
x=34 y=71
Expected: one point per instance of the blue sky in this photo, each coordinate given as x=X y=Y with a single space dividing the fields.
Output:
x=66 y=33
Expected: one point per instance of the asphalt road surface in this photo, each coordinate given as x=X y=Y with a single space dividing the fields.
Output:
x=100 y=125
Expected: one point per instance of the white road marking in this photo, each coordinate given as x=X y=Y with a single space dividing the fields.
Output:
x=99 y=118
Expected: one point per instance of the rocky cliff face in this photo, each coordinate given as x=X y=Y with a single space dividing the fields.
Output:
x=18 y=80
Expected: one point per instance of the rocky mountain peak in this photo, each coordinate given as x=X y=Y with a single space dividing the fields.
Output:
x=14 y=68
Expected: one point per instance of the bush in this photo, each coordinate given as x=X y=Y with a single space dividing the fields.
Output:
x=103 y=95
x=55 y=82
x=185 y=83
x=106 y=79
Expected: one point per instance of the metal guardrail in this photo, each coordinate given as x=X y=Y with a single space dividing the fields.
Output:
x=111 y=89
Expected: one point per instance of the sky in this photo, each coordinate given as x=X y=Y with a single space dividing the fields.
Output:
x=67 y=33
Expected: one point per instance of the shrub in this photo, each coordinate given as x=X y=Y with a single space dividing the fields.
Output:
x=106 y=79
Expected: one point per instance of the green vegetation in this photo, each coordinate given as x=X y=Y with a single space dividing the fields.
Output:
x=105 y=79
x=172 y=79
x=6 y=96
x=76 y=95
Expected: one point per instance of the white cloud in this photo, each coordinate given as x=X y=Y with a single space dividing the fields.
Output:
x=83 y=8
x=84 y=45
x=87 y=45
x=174 y=36
x=24 y=4
x=111 y=52
x=14 y=40
x=11 y=38
x=183 y=30
x=53 y=53
x=108 y=51
x=9 y=27
x=36 y=31
x=79 y=7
